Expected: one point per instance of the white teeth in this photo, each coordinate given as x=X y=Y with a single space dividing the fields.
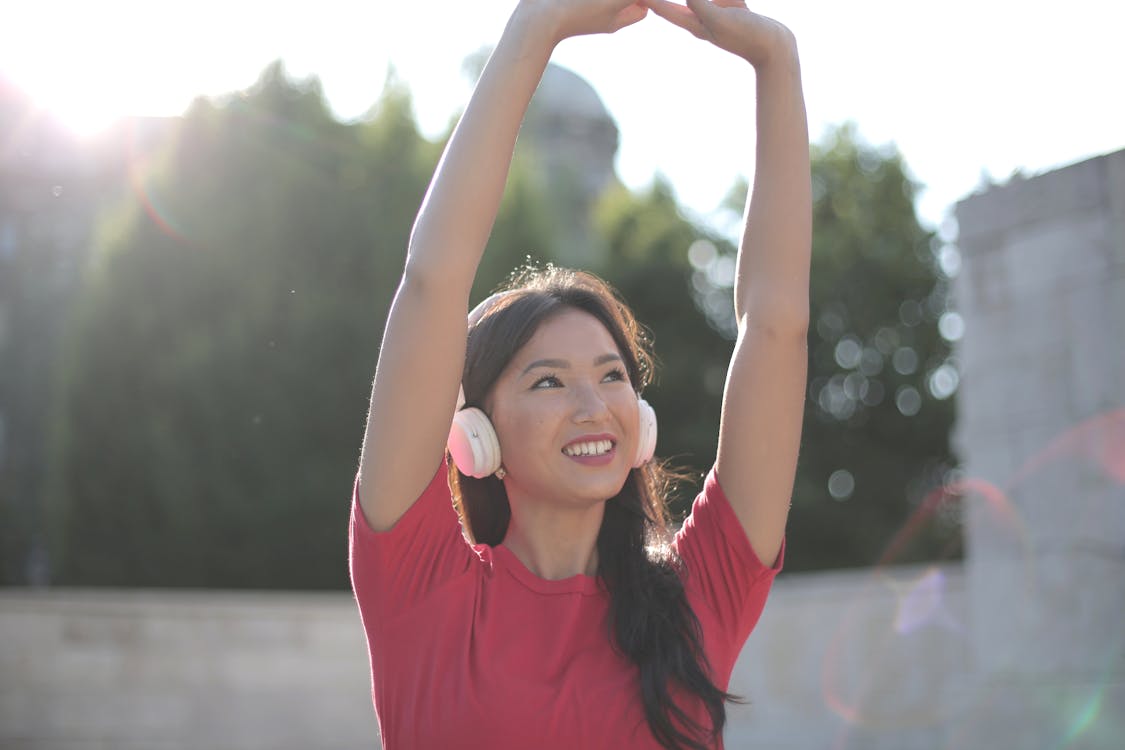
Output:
x=592 y=448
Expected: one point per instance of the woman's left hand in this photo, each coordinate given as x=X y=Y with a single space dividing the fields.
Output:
x=567 y=18
x=730 y=25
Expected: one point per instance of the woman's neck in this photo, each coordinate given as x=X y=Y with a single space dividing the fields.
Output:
x=555 y=543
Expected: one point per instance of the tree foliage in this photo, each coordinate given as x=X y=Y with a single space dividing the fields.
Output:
x=214 y=386
x=218 y=371
x=876 y=438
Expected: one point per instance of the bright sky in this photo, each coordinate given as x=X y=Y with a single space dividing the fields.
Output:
x=963 y=87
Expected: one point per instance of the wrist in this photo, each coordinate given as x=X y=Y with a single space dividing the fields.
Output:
x=779 y=50
x=535 y=22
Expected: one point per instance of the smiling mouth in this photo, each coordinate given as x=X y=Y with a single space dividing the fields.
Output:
x=589 y=448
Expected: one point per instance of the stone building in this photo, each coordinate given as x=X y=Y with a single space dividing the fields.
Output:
x=572 y=132
x=570 y=141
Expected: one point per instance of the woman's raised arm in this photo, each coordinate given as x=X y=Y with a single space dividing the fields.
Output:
x=423 y=349
x=763 y=400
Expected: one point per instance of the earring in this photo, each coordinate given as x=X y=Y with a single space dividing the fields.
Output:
x=501 y=473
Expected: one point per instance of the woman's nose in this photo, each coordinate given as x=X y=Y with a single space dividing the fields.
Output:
x=589 y=404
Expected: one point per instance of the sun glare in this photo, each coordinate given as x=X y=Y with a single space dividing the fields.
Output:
x=86 y=68
x=81 y=110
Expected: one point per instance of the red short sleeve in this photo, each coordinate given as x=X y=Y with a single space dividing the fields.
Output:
x=722 y=570
x=393 y=570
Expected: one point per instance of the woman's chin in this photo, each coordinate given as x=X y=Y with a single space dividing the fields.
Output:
x=600 y=486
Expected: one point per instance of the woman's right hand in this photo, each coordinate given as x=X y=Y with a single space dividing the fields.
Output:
x=730 y=25
x=567 y=18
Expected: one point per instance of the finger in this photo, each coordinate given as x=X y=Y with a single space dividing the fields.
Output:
x=680 y=15
x=630 y=16
x=715 y=14
x=704 y=10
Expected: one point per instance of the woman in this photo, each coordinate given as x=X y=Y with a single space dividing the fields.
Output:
x=525 y=599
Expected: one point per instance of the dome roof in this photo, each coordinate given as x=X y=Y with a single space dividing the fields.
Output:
x=565 y=92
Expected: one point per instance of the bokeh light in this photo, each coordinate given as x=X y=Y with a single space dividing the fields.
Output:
x=951 y=326
x=949 y=260
x=848 y=352
x=841 y=484
x=905 y=360
x=910 y=313
x=908 y=400
x=943 y=381
x=702 y=253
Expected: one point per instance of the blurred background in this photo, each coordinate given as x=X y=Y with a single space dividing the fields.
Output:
x=198 y=247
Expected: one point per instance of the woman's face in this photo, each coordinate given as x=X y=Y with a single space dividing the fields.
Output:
x=566 y=414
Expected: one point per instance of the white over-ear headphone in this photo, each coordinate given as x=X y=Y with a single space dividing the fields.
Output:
x=476 y=449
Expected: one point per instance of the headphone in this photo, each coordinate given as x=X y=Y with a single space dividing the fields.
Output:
x=476 y=449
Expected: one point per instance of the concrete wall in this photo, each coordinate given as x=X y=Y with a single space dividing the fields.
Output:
x=132 y=670
x=874 y=660
x=126 y=670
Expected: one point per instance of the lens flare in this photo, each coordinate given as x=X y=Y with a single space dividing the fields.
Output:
x=920 y=604
x=1100 y=440
x=140 y=166
x=869 y=676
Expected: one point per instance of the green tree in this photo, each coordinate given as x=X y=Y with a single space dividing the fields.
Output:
x=875 y=409
x=212 y=399
x=877 y=421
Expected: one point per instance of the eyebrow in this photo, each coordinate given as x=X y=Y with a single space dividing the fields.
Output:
x=562 y=364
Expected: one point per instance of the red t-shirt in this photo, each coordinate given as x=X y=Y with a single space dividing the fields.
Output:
x=470 y=649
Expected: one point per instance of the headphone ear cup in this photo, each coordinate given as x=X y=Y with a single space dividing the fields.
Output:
x=473 y=443
x=646 y=434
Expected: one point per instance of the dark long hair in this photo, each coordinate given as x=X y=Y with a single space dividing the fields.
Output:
x=651 y=622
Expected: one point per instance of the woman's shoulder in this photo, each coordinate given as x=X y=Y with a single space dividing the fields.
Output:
x=713 y=525
x=720 y=571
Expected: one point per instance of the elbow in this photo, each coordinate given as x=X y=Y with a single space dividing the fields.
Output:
x=780 y=319
x=422 y=276
x=778 y=328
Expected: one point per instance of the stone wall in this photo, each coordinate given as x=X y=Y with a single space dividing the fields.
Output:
x=878 y=660
x=135 y=670
x=132 y=670
x=1041 y=427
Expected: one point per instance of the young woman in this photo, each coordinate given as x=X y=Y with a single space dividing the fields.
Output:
x=532 y=595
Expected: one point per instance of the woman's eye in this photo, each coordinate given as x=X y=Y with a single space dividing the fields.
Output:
x=547 y=381
x=616 y=375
